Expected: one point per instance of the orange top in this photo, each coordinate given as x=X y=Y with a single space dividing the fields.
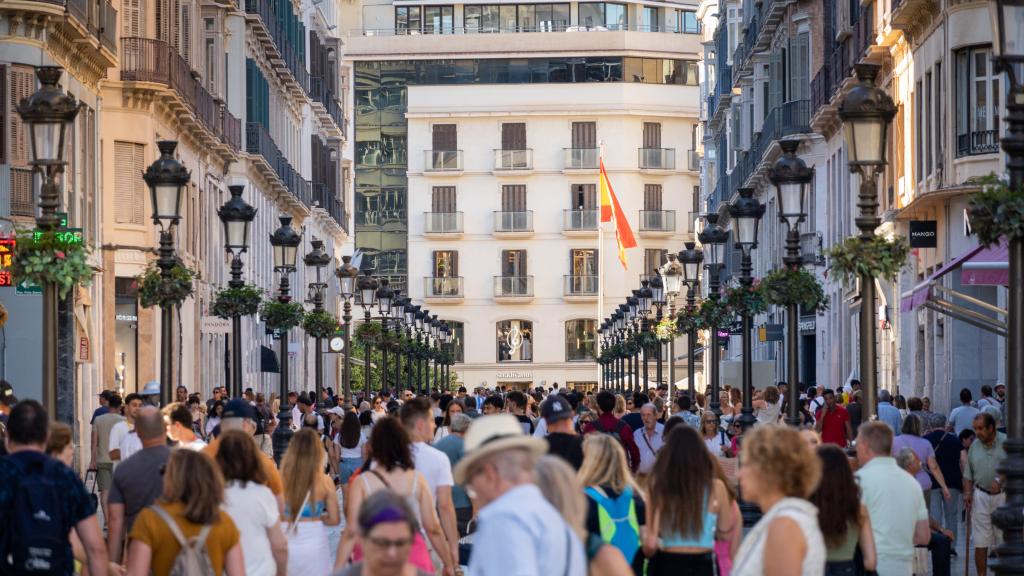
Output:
x=150 y=528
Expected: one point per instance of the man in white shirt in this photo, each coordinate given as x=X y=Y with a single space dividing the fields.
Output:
x=895 y=502
x=648 y=439
x=119 y=450
x=179 y=427
x=416 y=416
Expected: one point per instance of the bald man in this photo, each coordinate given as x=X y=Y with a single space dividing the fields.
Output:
x=138 y=480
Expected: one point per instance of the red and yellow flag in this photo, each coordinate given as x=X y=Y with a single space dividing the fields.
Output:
x=611 y=211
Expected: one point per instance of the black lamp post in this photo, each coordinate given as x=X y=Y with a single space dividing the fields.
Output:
x=367 y=285
x=671 y=273
x=317 y=259
x=866 y=113
x=1008 y=49
x=713 y=238
x=619 y=336
x=410 y=324
x=285 y=242
x=384 y=296
x=633 y=320
x=347 y=274
x=166 y=178
x=746 y=212
x=791 y=175
x=657 y=287
x=645 y=297
x=692 y=258
x=421 y=320
x=236 y=215
x=47 y=113
x=398 y=317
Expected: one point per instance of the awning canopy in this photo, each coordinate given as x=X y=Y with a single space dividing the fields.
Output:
x=978 y=266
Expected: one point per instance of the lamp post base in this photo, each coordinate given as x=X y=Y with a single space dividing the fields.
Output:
x=283 y=434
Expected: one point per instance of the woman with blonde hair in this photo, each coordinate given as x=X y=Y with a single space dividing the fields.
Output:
x=310 y=504
x=558 y=484
x=612 y=495
x=620 y=406
x=190 y=507
x=778 y=471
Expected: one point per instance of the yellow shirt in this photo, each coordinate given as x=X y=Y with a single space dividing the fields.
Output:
x=151 y=529
x=266 y=462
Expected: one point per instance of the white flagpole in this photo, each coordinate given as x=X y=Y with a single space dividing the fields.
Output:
x=600 y=247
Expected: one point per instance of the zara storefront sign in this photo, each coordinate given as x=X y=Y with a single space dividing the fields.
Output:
x=924 y=233
x=512 y=375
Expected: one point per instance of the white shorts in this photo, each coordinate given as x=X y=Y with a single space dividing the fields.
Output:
x=984 y=533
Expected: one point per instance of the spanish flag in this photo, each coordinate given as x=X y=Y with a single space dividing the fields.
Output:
x=612 y=212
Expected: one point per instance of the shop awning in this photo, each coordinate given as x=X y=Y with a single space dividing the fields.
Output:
x=978 y=266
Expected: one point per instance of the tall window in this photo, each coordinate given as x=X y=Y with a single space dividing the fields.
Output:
x=653 y=259
x=938 y=131
x=580 y=340
x=513 y=198
x=648 y=19
x=603 y=15
x=977 y=105
x=583 y=196
x=443 y=199
x=513 y=136
x=458 y=345
x=513 y=263
x=514 y=340
x=584 y=135
x=929 y=160
x=919 y=119
x=425 y=19
x=129 y=189
x=583 y=262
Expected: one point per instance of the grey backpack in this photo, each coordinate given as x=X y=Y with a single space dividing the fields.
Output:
x=192 y=559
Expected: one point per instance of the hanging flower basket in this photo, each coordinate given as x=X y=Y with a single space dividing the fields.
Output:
x=996 y=211
x=368 y=333
x=3 y=315
x=319 y=324
x=155 y=291
x=794 y=286
x=745 y=299
x=57 y=257
x=240 y=301
x=666 y=329
x=647 y=341
x=688 y=319
x=877 y=257
x=281 y=316
x=715 y=313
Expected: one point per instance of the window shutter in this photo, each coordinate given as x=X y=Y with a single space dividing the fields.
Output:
x=652 y=196
x=129 y=190
x=445 y=137
x=513 y=136
x=20 y=85
x=775 y=80
x=799 y=83
x=584 y=135
x=186 y=33
x=652 y=135
x=443 y=200
x=131 y=18
x=513 y=198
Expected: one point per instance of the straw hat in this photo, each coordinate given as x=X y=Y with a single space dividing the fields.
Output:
x=495 y=433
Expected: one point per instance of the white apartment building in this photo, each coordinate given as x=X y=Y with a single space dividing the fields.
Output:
x=478 y=130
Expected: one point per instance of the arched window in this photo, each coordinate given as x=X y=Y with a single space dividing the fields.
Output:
x=514 y=339
x=580 y=338
x=458 y=340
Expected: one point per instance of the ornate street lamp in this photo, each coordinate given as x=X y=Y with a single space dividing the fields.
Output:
x=791 y=175
x=421 y=319
x=367 y=286
x=398 y=317
x=1008 y=49
x=691 y=259
x=866 y=113
x=384 y=296
x=236 y=215
x=166 y=178
x=347 y=274
x=746 y=212
x=285 y=243
x=713 y=239
x=317 y=259
x=47 y=113
x=409 y=312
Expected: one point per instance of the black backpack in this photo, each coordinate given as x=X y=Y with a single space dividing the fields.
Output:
x=617 y=434
x=35 y=532
x=261 y=421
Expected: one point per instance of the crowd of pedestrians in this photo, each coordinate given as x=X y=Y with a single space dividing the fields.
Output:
x=501 y=481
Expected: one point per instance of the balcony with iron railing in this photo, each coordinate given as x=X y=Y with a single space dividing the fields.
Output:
x=325 y=197
x=657 y=158
x=93 y=19
x=789 y=119
x=514 y=288
x=324 y=97
x=151 y=60
x=442 y=160
x=444 y=288
x=581 y=158
x=513 y=160
x=977 y=142
x=442 y=223
x=580 y=287
x=657 y=222
x=581 y=222
x=259 y=142
x=508 y=223
x=280 y=50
